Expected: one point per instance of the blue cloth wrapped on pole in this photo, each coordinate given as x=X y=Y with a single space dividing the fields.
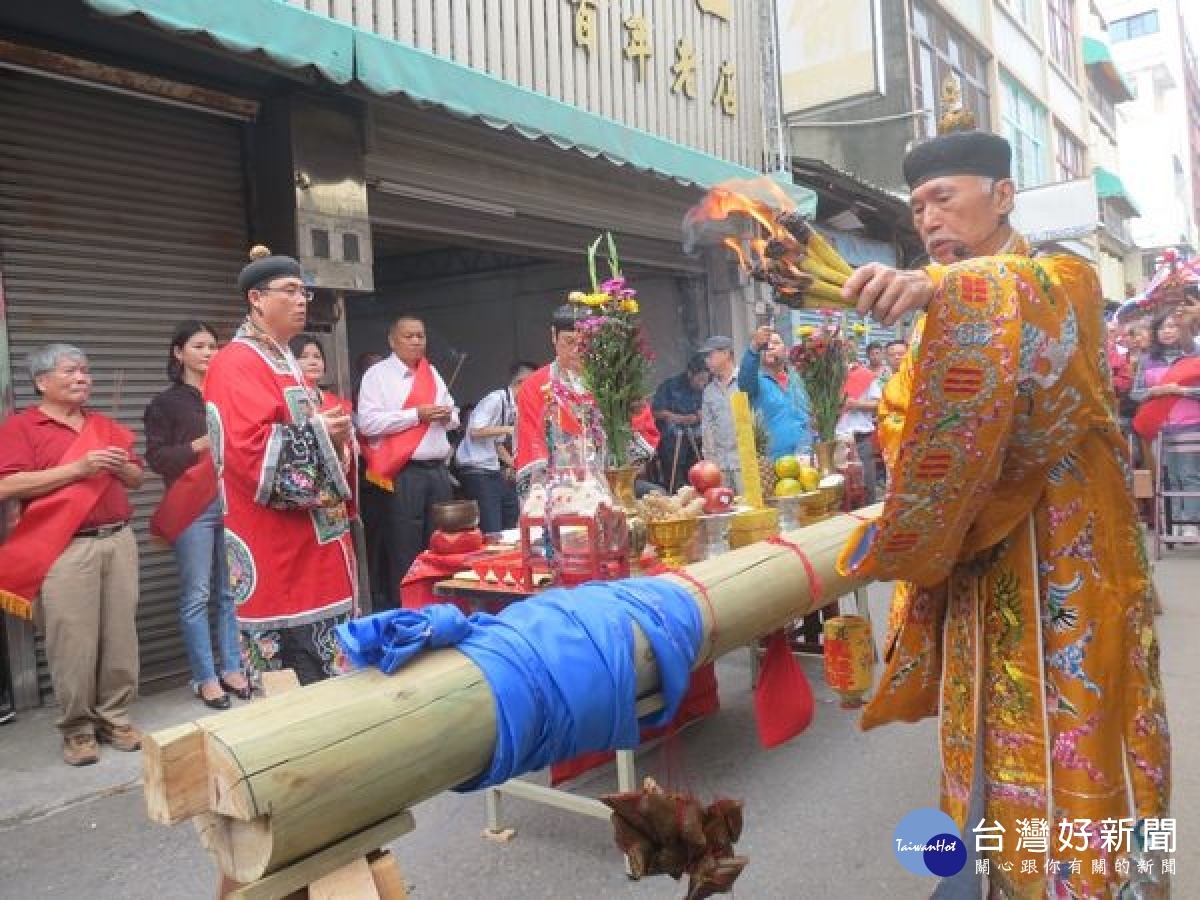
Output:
x=560 y=665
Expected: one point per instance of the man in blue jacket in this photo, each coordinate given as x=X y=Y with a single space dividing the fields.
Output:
x=776 y=392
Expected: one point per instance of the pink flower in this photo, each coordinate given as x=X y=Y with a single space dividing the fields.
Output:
x=613 y=285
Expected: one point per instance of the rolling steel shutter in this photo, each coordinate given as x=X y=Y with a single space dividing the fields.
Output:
x=118 y=218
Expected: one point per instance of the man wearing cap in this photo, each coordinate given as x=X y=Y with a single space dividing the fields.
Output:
x=282 y=482
x=1025 y=620
x=716 y=414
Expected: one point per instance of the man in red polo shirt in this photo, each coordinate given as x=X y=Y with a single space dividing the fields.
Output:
x=72 y=546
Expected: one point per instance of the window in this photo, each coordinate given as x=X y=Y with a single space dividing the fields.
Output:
x=939 y=50
x=1023 y=12
x=1068 y=155
x=1134 y=26
x=1060 y=16
x=1025 y=127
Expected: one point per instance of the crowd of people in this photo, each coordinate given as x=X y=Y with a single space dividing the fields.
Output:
x=1142 y=352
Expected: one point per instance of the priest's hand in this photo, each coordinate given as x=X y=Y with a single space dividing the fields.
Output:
x=886 y=294
x=339 y=426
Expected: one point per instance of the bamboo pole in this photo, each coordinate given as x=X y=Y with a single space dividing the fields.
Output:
x=294 y=774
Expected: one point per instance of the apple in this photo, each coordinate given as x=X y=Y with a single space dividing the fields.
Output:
x=718 y=500
x=704 y=475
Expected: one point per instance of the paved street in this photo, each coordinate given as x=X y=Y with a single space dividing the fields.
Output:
x=820 y=811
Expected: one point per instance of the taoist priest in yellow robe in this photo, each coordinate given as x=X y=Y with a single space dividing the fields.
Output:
x=1024 y=618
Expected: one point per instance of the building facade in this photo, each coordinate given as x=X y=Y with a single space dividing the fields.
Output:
x=446 y=158
x=1159 y=132
x=1020 y=66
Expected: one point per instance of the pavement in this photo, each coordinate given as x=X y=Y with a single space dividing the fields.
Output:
x=820 y=811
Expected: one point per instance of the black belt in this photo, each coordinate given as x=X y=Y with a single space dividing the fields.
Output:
x=427 y=463
x=101 y=530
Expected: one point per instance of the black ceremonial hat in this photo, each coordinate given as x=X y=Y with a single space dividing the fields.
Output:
x=959 y=153
x=263 y=267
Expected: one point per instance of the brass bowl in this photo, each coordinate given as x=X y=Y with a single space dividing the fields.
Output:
x=671 y=538
x=812 y=505
x=455 y=515
x=832 y=496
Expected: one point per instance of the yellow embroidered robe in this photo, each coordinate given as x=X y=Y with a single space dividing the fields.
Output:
x=1024 y=608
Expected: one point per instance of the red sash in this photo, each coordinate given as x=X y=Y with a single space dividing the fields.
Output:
x=858 y=379
x=49 y=523
x=388 y=454
x=1153 y=414
x=184 y=500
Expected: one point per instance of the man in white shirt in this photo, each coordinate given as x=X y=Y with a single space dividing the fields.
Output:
x=404 y=412
x=484 y=456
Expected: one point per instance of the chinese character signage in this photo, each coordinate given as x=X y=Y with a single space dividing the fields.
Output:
x=689 y=74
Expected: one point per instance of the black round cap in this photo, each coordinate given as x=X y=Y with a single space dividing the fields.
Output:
x=959 y=153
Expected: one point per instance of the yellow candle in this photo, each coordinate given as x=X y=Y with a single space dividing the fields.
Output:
x=743 y=427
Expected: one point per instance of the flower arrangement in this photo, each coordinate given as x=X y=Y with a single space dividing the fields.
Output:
x=612 y=347
x=819 y=357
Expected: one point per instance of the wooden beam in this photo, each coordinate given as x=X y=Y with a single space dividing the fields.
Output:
x=389 y=882
x=175 y=773
x=296 y=773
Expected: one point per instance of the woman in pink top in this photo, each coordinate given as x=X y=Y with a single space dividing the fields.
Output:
x=1170 y=343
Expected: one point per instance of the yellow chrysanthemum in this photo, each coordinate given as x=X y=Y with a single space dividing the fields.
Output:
x=805 y=331
x=578 y=297
x=595 y=299
x=629 y=306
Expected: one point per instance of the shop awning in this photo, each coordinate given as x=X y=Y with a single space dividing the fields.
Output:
x=387 y=67
x=1099 y=59
x=289 y=35
x=296 y=38
x=1110 y=187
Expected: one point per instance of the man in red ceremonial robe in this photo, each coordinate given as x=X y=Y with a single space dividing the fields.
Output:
x=282 y=482
x=534 y=396
x=72 y=546
x=404 y=412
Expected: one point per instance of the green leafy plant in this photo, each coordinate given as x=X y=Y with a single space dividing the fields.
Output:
x=616 y=361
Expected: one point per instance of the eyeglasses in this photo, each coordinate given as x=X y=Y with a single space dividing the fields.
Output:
x=292 y=291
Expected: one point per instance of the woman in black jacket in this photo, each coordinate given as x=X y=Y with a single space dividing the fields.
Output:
x=176 y=439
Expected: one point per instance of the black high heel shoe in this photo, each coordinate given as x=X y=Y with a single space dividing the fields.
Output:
x=222 y=702
x=241 y=693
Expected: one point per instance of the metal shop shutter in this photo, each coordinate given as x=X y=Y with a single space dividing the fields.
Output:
x=118 y=218
x=437 y=175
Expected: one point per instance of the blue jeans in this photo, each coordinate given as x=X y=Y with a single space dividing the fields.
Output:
x=200 y=551
x=1183 y=474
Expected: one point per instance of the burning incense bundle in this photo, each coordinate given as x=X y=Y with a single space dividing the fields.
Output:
x=782 y=250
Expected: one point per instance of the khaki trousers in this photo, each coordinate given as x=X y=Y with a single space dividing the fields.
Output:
x=87 y=612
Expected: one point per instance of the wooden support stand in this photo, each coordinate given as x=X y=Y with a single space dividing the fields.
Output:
x=355 y=867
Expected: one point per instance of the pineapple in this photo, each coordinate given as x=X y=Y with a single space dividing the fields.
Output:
x=762 y=444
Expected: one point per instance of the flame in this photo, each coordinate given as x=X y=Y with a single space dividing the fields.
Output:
x=749 y=209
